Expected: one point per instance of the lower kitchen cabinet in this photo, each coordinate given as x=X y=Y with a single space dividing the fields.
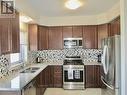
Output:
x=40 y=90
x=57 y=76
x=93 y=76
x=51 y=76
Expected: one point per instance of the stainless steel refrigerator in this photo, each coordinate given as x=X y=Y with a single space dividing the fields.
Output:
x=111 y=60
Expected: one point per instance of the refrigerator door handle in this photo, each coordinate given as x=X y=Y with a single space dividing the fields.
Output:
x=109 y=86
x=105 y=57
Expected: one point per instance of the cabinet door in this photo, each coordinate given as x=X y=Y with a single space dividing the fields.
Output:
x=115 y=27
x=5 y=35
x=40 y=90
x=32 y=33
x=93 y=78
x=55 y=38
x=67 y=31
x=15 y=32
x=0 y=38
x=58 y=76
x=102 y=33
x=77 y=31
x=40 y=80
x=90 y=37
x=42 y=38
x=47 y=77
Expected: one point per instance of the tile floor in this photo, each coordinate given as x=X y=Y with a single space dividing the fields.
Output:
x=60 y=91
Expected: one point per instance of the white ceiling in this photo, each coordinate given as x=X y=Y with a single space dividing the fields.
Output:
x=56 y=8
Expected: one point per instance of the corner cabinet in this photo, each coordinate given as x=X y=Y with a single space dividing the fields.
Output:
x=32 y=36
x=115 y=27
x=51 y=76
x=103 y=32
x=93 y=76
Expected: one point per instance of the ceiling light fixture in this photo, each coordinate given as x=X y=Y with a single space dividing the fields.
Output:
x=73 y=4
x=25 y=19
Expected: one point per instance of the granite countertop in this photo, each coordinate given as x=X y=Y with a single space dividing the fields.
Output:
x=18 y=81
x=92 y=63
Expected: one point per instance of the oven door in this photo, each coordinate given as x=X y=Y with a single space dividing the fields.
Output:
x=73 y=75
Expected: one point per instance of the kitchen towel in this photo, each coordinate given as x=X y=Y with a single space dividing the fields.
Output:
x=77 y=74
x=70 y=74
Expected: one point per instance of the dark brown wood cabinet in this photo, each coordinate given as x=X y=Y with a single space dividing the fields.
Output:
x=58 y=81
x=77 y=32
x=72 y=31
x=102 y=33
x=5 y=35
x=43 y=79
x=51 y=76
x=9 y=31
x=90 y=37
x=42 y=38
x=32 y=35
x=67 y=31
x=115 y=27
x=15 y=34
x=93 y=76
x=40 y=90
x=55 y=38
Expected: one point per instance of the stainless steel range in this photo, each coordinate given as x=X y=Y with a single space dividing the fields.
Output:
x=73 y=73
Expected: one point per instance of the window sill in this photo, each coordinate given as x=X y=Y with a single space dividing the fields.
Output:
x=15 y=65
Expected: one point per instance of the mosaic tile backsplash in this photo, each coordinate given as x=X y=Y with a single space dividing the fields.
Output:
x=5 y=65
x=88 y=55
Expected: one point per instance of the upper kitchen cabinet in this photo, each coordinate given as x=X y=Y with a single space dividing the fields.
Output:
x=42 y=37
x=77 y=31
x=10 y=34
x=5 y=35
x=90 y=37
x=72 y=31
x=55 y=38
x=115 y=27
x=15 y=33
x=32 y=33
x=67 y=31
x=102 y=33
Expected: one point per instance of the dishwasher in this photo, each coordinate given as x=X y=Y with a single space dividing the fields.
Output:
x=29 y=89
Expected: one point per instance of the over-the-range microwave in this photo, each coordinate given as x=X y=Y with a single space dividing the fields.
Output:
x=73 y=43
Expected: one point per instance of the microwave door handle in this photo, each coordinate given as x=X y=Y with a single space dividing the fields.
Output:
x=109 y=86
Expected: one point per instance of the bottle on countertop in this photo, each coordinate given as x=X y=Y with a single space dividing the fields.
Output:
x=39 y=59
x=99 y=58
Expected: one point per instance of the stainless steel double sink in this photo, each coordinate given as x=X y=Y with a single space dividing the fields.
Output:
x=30 y=70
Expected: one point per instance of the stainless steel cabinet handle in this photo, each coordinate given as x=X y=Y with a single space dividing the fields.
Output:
x=109 y=86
